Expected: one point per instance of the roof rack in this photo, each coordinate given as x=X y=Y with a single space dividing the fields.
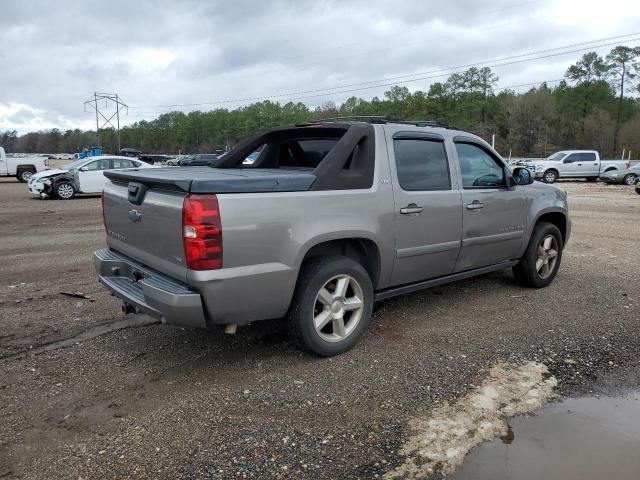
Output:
x=380 y=119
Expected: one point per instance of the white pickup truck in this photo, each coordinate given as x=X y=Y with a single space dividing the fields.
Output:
x=573 y=164
x=20 y=167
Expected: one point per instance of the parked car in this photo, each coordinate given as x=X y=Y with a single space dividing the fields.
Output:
x=199 y=160
x=21 y=167
x=329 y=218
x=85 y=175
x=574 y=164
x=627 y=176
x=175 y=161
x=130 y=152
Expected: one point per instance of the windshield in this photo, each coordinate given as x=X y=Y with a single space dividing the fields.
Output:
x=75 y=164
x=556 y=157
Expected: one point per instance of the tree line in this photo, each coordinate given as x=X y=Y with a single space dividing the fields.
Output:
x=594 y=107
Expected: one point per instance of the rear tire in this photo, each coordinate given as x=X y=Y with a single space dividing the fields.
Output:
x=629 y=179
x=550 y=176
x=540 y=263
x=64 y=191
x=331 y=306
x=24 y=174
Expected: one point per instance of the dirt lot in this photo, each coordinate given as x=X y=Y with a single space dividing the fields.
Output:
x=160 y=402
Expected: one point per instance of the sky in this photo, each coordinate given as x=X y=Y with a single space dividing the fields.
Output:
x=155 y=55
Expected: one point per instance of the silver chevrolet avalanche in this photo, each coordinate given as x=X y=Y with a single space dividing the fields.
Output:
x=313 y=223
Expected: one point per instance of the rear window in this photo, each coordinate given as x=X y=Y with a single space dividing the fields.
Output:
x=307 y=153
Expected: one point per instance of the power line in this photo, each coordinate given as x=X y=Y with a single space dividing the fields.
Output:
x=421 y=75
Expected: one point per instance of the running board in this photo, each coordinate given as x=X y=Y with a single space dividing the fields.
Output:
x=435 y=282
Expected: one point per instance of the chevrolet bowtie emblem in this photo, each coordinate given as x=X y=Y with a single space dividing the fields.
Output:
x=135 y=216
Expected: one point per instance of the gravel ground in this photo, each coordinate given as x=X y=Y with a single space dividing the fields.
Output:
x=160 y=402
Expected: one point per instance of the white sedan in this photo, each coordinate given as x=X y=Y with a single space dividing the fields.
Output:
x=85 y=175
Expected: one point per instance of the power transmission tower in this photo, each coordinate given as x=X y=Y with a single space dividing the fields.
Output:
x=109 y=100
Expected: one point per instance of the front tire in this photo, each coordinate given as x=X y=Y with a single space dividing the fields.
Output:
x=629 y=179
x=550 y=176
x=540 y=263
x=331 y=306
x=64 y=191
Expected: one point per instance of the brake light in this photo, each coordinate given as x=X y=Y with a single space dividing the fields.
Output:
x=104 y=218
x=202 y=232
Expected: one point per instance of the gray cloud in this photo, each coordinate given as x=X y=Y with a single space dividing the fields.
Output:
x=53 y=55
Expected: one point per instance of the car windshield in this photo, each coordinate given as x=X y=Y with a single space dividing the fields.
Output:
x=75 y=164
x=636 y=167
x=556 y=157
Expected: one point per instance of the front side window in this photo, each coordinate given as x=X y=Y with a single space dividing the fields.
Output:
x=98 y=165
x=574 y=157
x=478 y=168
x=421 y=164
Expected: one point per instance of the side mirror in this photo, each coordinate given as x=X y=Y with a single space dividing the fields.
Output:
x=523 y=176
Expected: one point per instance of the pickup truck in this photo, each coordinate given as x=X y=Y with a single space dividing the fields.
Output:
x=574 y=164
x=329 y=218
x=20 y=167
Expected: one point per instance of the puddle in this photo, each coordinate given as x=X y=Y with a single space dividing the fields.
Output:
x=577 y=439
x=441 y=438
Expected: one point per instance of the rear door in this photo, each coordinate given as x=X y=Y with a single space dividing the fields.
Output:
x=494 y=217
x=91 y=177
x=588 y=164
x=428 y=214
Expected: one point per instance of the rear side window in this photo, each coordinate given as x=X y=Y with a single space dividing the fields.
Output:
x=588 y=157
x=421 y=164
x=120 y=163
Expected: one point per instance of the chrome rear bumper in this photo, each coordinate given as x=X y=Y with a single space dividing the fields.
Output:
x=148 y=291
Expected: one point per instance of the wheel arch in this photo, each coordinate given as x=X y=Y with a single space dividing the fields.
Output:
x=361 y=249
x=25 y=166
x=557 y=218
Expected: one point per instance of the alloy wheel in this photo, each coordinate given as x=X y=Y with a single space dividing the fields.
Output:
x=338 y=308
x=65 y=191
x=547 y=256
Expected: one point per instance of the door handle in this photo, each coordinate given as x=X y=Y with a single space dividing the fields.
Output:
x=475 y=205
x=579 y=164
x=412 y=208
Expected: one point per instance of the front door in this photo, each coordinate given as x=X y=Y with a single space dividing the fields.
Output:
x=91 y=176
x=428 y=214
x=494 y=217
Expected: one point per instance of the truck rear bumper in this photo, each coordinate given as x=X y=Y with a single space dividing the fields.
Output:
x=148 y=291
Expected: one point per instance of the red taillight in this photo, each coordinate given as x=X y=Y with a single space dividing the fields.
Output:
x=202 y=232
x=104 y=218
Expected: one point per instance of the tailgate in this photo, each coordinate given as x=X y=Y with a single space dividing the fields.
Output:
x=149 y=232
